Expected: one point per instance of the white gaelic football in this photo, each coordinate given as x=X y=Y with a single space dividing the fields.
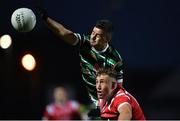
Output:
x=23 y=20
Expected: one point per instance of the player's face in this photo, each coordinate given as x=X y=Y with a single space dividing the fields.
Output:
x=98 y=39
x=103 y=86
x=60 y=95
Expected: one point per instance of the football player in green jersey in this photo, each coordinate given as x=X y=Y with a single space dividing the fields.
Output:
x=95 y=50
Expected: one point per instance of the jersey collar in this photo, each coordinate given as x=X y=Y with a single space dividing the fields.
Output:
x=102 y=51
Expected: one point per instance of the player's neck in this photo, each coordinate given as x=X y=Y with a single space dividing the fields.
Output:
x=60 y=102
x=112 y=93
x=102 y=49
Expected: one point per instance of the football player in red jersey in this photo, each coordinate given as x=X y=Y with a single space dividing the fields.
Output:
x=114 y=101
x=62 y=108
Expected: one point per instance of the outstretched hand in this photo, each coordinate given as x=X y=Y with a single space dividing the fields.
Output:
x=42 y=12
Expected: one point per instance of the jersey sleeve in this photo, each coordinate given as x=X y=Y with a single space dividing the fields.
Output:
x=119 y=67
x=75 y=105
x=119 y=73
x=81 y=39
x=122 y=100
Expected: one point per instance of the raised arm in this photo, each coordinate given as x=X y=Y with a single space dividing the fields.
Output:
x=65 y=34
x=62 y=32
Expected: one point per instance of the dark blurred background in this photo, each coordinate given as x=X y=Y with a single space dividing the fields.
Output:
x=146 y=35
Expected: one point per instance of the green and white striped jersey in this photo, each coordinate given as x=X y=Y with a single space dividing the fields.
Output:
x=91 y=60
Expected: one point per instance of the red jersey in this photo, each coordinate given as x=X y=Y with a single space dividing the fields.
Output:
x=67 y=111
x=109 y=109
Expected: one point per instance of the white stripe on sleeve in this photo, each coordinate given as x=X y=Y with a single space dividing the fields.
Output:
x=78 y=38
x=120 y=105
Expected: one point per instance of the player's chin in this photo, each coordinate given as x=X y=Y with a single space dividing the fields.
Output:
x=100 y=96
x=93 y=43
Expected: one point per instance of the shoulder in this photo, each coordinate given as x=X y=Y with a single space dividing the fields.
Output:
x=121 y=97
x=114 y=52
x=50 y=107
x=74 y=104
x=81 y=39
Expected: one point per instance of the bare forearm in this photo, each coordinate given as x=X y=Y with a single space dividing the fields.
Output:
x=61 y=31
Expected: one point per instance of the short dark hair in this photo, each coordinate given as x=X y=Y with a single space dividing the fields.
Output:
x=105 y=24
x=107 y=71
